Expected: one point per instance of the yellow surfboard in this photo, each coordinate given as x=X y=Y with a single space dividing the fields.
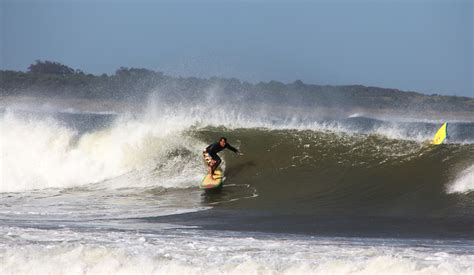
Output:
x=441 y=134
x=208 y=183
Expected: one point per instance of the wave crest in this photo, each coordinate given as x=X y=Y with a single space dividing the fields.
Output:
x=44 y=153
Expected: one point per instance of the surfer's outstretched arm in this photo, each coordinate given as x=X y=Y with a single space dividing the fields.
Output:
x=232 y=148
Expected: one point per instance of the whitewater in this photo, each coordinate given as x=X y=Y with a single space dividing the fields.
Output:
x=314 y=192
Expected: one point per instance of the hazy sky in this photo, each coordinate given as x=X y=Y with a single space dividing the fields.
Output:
x=425 y=46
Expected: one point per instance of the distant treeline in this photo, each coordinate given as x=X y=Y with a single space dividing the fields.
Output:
x=52 y=79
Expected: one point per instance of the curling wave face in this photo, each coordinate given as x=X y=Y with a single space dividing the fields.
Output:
x=353 y=165
x=47 y=151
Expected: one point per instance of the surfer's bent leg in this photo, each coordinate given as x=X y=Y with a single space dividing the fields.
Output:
x=217 y=161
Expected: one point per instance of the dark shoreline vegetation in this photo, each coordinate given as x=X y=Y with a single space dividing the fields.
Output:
x=52 y=79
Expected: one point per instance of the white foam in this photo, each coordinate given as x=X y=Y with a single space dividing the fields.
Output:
x=42 y=153
x=30 y=251
x=464 y=182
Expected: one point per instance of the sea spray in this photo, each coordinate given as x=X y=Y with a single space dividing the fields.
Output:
x=464 y=182
x=42 y=153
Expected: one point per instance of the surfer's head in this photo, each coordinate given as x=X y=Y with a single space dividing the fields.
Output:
x=222 y=141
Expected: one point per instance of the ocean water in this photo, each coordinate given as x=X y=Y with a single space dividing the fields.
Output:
x=313 y=193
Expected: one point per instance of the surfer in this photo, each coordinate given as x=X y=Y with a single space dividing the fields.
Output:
x=214 y=161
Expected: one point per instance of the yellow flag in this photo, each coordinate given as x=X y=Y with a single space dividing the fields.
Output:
x=441 y=134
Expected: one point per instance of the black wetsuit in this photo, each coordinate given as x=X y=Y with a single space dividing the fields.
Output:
x=215 y=148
